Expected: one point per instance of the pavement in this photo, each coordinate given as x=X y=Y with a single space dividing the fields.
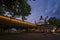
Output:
x=56 y=33
x=30 y=36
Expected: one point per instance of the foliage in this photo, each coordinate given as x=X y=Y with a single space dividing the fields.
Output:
x=58 y=22
x=16 y=8
x=54 y=21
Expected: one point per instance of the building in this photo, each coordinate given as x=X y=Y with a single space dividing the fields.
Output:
x=58 y=29
x=42 y=21
x=8 y=24
x=44 y=25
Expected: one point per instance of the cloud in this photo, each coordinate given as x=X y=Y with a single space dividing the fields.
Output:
x=53 y=8
x=45 y=8
x=57 y=12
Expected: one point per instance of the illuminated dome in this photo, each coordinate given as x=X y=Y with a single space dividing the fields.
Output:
x=41 y=21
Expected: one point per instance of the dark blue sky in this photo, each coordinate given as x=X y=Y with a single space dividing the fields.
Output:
x=50 y=8
x=44 y=8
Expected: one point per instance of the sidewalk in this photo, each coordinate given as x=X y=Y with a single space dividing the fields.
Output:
x=56 y=33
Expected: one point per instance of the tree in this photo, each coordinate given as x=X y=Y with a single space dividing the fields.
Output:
x=52 y=20
x=16 y=8
x=58 y=22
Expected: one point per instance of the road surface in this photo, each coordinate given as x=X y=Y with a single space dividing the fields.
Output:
x=29 y=36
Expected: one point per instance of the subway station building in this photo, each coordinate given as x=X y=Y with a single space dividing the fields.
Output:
x=8 y=24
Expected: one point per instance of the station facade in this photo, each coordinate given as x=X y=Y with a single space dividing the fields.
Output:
x=8 y=24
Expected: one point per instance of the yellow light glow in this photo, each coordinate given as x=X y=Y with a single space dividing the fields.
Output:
x=16 y=21
x=53 y=30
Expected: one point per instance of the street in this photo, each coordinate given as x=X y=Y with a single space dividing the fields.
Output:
x=30 y=36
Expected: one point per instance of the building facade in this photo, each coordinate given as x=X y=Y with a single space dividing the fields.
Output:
x=44 y=25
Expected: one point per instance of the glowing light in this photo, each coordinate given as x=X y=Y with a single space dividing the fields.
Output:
x=53 y=30
x=16 y=21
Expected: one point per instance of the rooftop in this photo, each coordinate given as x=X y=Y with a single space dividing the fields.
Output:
x=16 y=21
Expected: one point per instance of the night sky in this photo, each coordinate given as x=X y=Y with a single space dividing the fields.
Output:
x=50 y=8
x=44 y=8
